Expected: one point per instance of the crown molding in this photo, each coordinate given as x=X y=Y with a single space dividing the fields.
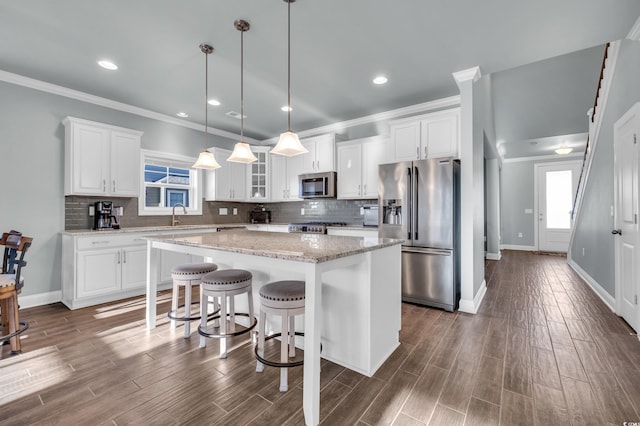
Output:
x=472 y=74
x=108 y=103
x=451 y=101
x=543 y=157
x=634 y=32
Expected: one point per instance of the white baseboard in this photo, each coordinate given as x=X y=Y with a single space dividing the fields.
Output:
x=493 y=256
x=514 y=247
x=609 y=300
x=471 y=306
x=39 y=299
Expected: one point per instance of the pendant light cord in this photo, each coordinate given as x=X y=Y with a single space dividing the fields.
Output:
x=289 y=64
x=241 y=85
x=206 y=92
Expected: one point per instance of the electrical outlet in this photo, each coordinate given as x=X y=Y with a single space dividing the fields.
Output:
x=302 y=211
x=92 y=211
x=361 y=211
x=519 y=234
x=235 y=211
x=583 y=251
x=222 y=211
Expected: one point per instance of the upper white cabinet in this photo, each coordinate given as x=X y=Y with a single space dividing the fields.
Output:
x=258 y=175
x=358 y=162
x=228 y=182
x=427 y=136
x=321 y=155
x=101 y=159
x=284 y=177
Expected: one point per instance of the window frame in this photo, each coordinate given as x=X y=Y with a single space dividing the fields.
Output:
x=172 y=160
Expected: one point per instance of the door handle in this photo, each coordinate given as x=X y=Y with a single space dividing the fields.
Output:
x=617 y=231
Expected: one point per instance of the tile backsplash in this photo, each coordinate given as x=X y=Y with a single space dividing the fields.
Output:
x=348 y=211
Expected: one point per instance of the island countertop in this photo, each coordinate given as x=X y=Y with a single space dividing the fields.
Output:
x=309 y=248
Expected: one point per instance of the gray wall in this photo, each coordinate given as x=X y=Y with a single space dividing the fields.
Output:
x=32 y=147
x=594 y=223
x=517 y=194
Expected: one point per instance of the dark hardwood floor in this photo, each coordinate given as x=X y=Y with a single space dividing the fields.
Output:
x=543 y=350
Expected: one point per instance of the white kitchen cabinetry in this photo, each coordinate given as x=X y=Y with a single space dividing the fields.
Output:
x=101 y=159
x=258 y=176
x=358 y=167
x=101 y=268
x=321 y=155
x=228 y=182
x=432 y=135
x=284 y=177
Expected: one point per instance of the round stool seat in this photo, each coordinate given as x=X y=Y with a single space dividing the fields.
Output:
x=188 y=271
x=227 y=279
x=283 y=294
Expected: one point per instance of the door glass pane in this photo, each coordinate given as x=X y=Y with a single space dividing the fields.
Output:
x=559 y=199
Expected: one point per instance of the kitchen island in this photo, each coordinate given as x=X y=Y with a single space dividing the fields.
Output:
x=353 y=291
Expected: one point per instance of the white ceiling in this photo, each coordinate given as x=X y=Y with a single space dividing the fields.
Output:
x=337 y=48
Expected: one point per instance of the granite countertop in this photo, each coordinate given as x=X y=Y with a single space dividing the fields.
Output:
x=310 y=248
x=147 y=229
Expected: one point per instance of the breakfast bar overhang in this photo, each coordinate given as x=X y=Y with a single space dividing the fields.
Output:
x=353 y=291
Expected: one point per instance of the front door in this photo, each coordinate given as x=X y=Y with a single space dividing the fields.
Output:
x=556 y=183
x=626 y=218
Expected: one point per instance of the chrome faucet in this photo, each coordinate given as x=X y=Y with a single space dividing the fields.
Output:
x=175 y=221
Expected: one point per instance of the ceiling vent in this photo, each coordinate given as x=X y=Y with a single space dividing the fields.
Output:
x=235 y=115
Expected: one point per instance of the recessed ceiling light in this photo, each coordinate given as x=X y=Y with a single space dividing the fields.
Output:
x=182 y=114
x=107 y=65
x=214 y=102
x=286 y=108
x=381 y=79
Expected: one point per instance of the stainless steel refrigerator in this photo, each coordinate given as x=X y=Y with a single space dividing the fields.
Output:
x=419 y=201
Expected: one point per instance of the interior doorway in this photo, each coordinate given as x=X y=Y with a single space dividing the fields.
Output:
x=626 y=232
x=556 y=185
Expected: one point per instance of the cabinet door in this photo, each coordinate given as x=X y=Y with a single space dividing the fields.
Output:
x=307 y=162
x=134 y=267
x=98 y=272
x=440 y=136
x=258 y=177
x=90 y=162
x=373 y=154
x=406 y=141
x=325 y=153
x=295 y=167
x=279 y=178
x=237 y=180
x=350 y=171
x=218 y=185
x=125 y=164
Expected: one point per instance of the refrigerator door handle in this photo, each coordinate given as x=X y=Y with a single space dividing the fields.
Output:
x=410 y=201
x=416 y=218
x=439 y=252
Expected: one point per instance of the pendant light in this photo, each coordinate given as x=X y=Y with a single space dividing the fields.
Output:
x=289 y=143
x=206 y=160
x=242 y=151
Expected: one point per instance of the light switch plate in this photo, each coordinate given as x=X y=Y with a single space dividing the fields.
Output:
x=235 y=211
x=222 y=211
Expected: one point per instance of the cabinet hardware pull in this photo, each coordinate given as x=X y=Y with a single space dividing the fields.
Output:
x=114 y=185
x=365 y=188
x=425 y=152
x=100 y=242
x=118 y=258
x=124 y=256
x=104 y=185
x=418 y=152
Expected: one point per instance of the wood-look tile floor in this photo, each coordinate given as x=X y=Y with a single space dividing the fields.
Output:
x=543 y=350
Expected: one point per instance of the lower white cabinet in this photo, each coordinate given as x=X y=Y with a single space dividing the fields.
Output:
x=102 y=268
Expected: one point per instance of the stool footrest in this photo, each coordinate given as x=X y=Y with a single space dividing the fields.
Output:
x=173 y=316
x=274 y=363
x=23 y=327
x=235 y=333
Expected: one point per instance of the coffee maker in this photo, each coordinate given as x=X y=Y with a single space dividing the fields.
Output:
x=104 y=217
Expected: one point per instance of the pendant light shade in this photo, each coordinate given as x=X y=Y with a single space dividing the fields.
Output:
x=242 y=151
x=206 y=159
x=563 y=150
x=289 y=143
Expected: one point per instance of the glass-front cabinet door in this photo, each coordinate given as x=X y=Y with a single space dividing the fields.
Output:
x=258 y=179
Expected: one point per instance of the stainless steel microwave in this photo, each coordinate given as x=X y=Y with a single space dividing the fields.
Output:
x=317 y=185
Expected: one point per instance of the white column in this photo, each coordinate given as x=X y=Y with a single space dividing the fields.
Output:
x=468 y=169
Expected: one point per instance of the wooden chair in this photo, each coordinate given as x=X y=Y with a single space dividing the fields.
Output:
x=11 y=283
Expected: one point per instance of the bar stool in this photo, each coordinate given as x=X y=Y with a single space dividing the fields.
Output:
x=221 y=285
x=186 y=275
x=284 y=298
